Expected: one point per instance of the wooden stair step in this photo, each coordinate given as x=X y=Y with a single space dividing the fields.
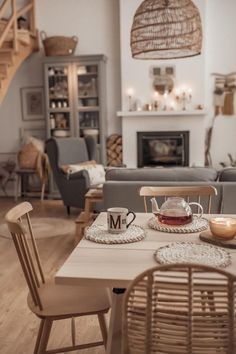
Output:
x=23 y=36
x=6 y=50
x=2 y=77
x=11 y=60
x=3 y=70
x=6 y=57
x=7 y=44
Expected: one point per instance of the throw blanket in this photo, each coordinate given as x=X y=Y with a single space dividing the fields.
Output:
x=95 y=171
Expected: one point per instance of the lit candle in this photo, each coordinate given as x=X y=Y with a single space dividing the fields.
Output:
x=190 y=93
x=177 y=92
x=184 y=90
x=156 y=95
x=130 y=93
x=223 y=227
x=172 y=105
x=156 y=101
x=165 y=100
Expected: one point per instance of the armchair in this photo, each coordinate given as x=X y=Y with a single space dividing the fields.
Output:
x=64 y=151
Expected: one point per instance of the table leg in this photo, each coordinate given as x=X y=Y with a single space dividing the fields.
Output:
x=42 y=191
x=87 y=209
x=114 y=332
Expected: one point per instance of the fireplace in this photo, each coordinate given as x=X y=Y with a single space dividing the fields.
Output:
x=164 y=148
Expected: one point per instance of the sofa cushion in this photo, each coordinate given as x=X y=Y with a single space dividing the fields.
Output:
x=227 y=175
x=184 y=174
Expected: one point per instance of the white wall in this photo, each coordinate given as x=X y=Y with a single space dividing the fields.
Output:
x=96 y=23
x=221 y=58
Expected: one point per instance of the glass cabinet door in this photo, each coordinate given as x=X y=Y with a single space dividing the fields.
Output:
x=59 y=100
x=88 y=100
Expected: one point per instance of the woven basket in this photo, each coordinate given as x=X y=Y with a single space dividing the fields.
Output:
x=58 y=45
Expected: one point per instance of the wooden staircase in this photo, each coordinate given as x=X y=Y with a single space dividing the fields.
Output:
x=16 y=44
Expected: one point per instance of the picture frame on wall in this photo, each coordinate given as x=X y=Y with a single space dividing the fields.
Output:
x=170 y=70
x=32 y=103
x=35 y=132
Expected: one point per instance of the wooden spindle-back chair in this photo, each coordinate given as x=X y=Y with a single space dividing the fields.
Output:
x=187 y=192
x=49 y=301
x=163 y=311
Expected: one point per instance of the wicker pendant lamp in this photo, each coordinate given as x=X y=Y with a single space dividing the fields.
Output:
x=166 y=29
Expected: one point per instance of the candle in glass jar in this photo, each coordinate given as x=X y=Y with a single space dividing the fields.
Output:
x=223 y=227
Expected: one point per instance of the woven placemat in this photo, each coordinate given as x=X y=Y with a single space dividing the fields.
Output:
x=100 y=234
x=189 y=252
x=198 y=224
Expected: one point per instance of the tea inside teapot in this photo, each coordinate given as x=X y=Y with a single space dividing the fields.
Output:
x=174 y=211
x=174 y=217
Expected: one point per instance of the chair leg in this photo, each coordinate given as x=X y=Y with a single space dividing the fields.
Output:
x=39 y=336
x=42 y=192
x=68 y=210
x=73 y=330
x=103 y=327
x=42 y=342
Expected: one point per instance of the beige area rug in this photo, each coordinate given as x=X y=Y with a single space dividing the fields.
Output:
x=45 y=227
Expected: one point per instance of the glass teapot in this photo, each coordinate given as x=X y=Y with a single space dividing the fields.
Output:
x=175 y=211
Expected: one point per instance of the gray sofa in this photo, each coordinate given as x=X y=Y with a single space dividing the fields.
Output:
x=122 y=185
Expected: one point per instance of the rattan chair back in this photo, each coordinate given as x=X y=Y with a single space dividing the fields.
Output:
x=201 y=194
x=163 y=311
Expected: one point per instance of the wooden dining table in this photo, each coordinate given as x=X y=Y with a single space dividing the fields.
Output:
x=116 y=265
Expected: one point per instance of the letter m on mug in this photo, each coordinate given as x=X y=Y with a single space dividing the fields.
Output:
x=115 y=223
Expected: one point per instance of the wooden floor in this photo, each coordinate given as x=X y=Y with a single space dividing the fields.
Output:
x=18 y=326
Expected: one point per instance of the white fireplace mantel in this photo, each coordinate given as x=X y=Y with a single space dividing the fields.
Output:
x=162 y=113
x=192 y=121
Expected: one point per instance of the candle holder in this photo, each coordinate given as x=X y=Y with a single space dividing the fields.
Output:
x=130 y=103
x=165 y=99
x=130 y=94
x=184 y=98
x=223 y=228
x=155 y=105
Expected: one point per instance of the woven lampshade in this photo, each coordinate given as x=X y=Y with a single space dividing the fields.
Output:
x=166 y=29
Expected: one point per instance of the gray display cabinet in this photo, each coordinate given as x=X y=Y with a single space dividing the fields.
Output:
x=75 y=89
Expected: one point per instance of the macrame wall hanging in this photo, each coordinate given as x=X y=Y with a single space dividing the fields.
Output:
x=224 y=89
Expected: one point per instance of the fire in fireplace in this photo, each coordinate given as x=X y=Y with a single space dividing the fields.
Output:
x=164 y=148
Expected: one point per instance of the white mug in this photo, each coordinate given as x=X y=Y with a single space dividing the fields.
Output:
x=117 y=219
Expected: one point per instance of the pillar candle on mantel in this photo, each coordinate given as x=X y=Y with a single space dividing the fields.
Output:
x=130 y=93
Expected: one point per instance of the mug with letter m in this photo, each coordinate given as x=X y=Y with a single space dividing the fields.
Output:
x=117 y=219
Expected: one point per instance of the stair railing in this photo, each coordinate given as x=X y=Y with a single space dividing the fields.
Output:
x=11 y=22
